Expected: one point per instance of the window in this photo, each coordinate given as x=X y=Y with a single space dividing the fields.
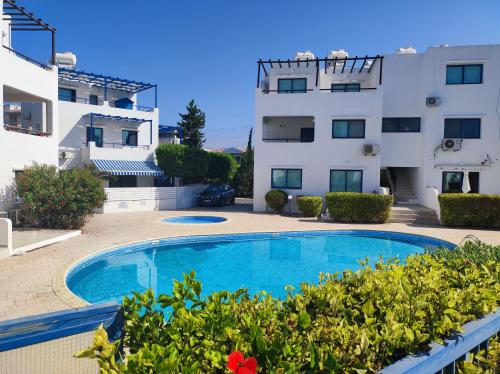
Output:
x=93 y=100
x=350 y=87
x=129 y=137
x=464 y=74
x=95 y=134
x=348 y=128
x=286 y=178
x=346 y=180
x=67 y=94
x=295 y=85
x=401 y=124
x=123 y=181
x=307 y=134
x=465 y=128
x=452 y=182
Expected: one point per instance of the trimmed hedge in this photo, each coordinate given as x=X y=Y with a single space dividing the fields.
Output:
x=310 y=205
x=476 y=210
x=359 y=322
x=359 y=207
x=276 y=199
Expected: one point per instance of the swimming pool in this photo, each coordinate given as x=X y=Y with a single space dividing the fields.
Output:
x=257 y=261
x=194 y=219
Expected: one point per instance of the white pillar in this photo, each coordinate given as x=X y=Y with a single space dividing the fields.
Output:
x=6 y=235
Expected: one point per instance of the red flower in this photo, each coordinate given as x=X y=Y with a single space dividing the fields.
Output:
x=238 y=365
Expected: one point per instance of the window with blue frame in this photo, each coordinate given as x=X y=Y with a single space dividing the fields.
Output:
x=350 y=87
x=346 y=180
x=93 y=100
x=286 y=178
x=348 y=128
x=95 y=134
x=464 y=74
x=292 y=85
x=67 y=94
x=129 y=137
x=403 y=124
x=465 y=128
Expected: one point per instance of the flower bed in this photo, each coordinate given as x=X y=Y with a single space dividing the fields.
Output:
x=360 y=322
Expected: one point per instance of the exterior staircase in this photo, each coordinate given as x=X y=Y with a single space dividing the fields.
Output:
x=413 y=214
x=403 y=192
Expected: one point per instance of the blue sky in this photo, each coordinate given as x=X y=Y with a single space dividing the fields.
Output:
x=207 y=50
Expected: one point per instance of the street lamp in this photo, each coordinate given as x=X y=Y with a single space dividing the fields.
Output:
x=290 y=197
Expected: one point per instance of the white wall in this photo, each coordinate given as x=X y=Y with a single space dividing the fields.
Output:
x=19 y=150
x=156 y=198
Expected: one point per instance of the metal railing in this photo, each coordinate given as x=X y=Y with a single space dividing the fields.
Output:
x=29 y=59
x=121 y=146
x=27 y=131
x=141 y=108
x=286 y=140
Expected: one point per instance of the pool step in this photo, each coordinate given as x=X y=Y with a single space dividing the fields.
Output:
x=411 y=214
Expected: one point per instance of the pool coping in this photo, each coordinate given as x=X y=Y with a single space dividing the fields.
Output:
x=62 y=291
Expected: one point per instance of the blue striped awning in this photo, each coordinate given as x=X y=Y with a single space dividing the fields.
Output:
x=121 y=167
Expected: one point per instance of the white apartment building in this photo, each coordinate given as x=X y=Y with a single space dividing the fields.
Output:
x=418 y=123
x=29 y=121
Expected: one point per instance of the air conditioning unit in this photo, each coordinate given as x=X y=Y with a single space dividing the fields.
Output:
x=371 y=149
x=432 y=101
x=451 y=144
x=62 y=155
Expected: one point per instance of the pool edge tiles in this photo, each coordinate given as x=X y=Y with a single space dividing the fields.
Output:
x=77 y=267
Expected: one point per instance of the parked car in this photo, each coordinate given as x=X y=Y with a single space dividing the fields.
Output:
x=217 y=194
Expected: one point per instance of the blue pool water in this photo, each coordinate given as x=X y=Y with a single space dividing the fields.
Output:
x=260 y=261
x=194 y=219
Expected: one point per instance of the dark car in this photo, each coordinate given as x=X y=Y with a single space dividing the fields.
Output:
x=217 y=194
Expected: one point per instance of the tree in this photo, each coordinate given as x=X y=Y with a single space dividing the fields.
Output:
x=171 y=158
x=243 y=181
x=222 y=167
x=192 y=124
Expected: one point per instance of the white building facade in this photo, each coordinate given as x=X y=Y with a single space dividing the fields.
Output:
x=29 y=121
x=418 y=123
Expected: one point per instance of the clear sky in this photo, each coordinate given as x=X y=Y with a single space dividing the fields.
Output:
x=207 y=49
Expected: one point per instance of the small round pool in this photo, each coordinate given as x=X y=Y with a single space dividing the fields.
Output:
x=194 y=219
x=257 y=261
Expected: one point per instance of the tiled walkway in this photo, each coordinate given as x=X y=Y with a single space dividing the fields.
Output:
x=27 y=282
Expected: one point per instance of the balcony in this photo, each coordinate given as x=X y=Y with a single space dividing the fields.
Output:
x=116 y=151
x=288 y=129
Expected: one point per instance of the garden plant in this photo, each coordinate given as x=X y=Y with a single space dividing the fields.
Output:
x=354 y=322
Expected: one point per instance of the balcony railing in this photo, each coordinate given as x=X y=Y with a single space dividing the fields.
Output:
x=144 y=147
x=29 y=59
x=141 y=108
x=27 y=131
x=99 y=101
x=285 y=140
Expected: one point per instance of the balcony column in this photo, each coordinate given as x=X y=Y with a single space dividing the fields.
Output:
x=156 y=96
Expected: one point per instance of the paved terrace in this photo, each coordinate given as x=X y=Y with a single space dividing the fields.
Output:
x=34 y=282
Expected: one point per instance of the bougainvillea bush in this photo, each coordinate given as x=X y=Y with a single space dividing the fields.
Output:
x=354 y=322
x=56 y=199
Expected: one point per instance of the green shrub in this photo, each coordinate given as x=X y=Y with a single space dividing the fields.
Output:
x=359 y=322
x=310 y=205
x=55 y=199
x=477 y=210
x=171 y=158
x=359 y=207
x=276 y=199
x=222 y=167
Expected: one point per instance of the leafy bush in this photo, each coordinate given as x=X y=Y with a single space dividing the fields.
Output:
x=222 y=167
x=310 y=205
x=359 y=207
x=55 y=199
x=276 y=199
x=477 y=210
x=194 y=165
x=359 y=322
x=171 y=158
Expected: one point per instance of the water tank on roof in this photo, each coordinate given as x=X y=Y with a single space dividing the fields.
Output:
x=66 y=59
x=406 y=51
x=307 y=55
x=339 y=54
